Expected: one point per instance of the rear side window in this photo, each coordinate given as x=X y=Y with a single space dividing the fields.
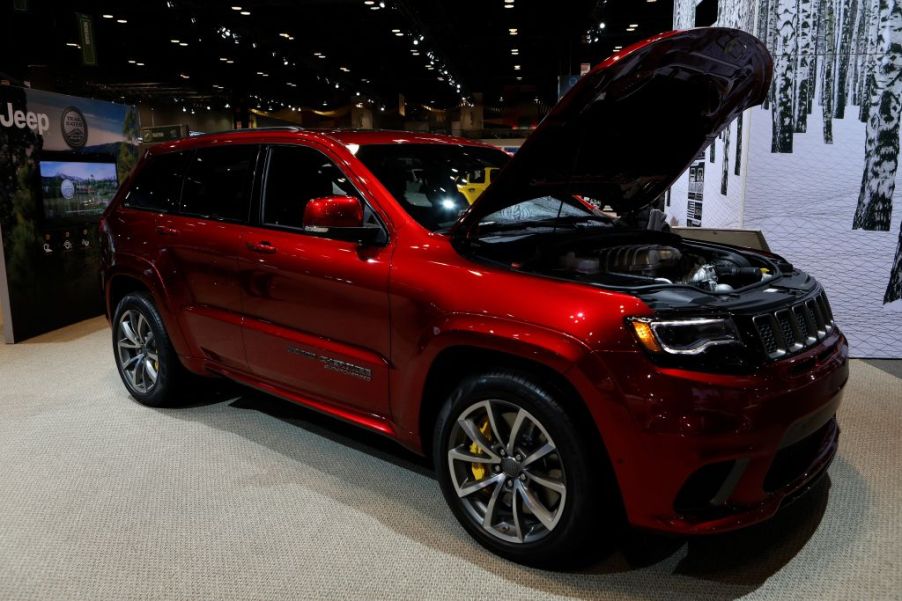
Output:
x=219 y=183
x=158 y=185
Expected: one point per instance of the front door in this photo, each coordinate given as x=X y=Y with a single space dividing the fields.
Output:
x=316 y=308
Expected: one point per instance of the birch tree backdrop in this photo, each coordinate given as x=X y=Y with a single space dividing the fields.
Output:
x=856 y=48
x=843 y=59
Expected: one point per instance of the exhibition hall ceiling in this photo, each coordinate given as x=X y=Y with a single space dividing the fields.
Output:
x=319 y=53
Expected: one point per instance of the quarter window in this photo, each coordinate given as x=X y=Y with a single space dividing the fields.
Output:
x=158 y=185
x=219 y=183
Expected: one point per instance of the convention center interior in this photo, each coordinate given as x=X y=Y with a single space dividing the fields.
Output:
x=450 y=299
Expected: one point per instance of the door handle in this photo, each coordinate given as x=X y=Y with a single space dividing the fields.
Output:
x=165 y=230
x=263 y=247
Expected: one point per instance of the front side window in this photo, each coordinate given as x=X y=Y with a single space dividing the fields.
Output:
x=427 y=179
x=158 y=185
x=296 y=175
x=219 y=183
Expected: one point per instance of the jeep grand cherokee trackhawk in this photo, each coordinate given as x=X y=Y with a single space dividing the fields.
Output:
x=558 y=365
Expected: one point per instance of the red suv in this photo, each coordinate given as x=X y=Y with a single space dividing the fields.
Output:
x=558 y=365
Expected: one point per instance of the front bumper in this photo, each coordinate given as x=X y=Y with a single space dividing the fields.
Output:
x=703 y=453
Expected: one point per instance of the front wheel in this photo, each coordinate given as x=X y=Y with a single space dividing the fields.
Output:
x=517 y=472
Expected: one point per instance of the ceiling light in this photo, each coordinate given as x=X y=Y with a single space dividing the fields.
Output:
x=230 y=62
x=246 y=13
x=291 y=84
x=183 y=43
x=515 y=51
x=399 y=34
x=183 y=76
x=123 y=21
x=512 y=31
x=139 y=64
x=72 y=44
x=508 y=6
x=107 y=16
x=131 y=61
x=631 y=29
x=236 y=8
x=174 y=41
x=369 y=2
x=396 y=31
x=602 y=25
x=516 y=67
x=634 y=25
x=285 y=35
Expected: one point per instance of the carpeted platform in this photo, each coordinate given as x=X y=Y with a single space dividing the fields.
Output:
x=247 y=497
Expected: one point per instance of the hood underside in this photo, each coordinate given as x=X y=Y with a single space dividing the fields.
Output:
x=634 y=123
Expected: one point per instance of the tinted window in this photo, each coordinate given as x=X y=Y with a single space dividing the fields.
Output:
x=427 y=179
x=296 y=175
x=219 y=183
x=157 y=186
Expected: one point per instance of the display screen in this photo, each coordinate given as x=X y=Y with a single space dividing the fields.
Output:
x=75 y=191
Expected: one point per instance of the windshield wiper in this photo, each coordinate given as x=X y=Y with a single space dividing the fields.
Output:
x=568 y=221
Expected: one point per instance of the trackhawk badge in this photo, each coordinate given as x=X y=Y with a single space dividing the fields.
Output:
x=343 y=367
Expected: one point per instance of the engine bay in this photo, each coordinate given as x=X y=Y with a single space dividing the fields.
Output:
x=663 y=264
x=643 y=259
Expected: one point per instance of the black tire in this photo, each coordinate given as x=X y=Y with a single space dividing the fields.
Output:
x=170 y=374
x=577 y=466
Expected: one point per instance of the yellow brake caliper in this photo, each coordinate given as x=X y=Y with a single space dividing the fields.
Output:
x=479 y=469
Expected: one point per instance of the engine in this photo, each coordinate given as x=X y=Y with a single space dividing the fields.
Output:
x=723 y=272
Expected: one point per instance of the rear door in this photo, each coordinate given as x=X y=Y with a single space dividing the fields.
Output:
x=316 y=308
x=201 y=245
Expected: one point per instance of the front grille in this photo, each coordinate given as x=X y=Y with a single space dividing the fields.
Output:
x=795 y=328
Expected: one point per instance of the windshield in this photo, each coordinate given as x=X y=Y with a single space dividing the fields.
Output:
x=433 y=182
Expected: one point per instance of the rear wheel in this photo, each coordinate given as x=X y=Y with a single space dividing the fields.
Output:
x=517 y=472
x=147 y=363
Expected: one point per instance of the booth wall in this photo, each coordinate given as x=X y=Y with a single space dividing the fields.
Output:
x=818 y=171
x=61 y=159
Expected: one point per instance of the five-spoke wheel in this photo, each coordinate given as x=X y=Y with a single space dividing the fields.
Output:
x=137 y=350
x=520 y=469
x=147 y=363
x=505 y=468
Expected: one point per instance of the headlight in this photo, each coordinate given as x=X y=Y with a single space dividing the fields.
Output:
x=690 y=336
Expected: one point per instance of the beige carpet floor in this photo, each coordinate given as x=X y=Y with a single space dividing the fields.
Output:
x=246 y=497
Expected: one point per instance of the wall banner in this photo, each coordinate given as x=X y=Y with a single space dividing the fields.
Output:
x=61 y=161
x=816 y=167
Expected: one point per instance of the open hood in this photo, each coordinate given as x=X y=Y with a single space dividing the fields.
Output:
x=635 y=122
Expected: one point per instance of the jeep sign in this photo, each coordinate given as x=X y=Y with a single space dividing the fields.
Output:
x=39 y=122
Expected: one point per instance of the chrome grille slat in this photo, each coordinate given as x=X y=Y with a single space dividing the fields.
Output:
x=791 y=329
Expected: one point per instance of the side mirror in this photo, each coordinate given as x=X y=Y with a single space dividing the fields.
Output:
x=341 y=217
x=333 y=211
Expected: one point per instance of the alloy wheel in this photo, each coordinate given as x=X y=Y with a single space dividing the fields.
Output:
x=507 y=471
x=137 y=351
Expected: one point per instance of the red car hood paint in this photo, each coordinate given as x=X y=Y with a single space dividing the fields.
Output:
x=635 y=122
